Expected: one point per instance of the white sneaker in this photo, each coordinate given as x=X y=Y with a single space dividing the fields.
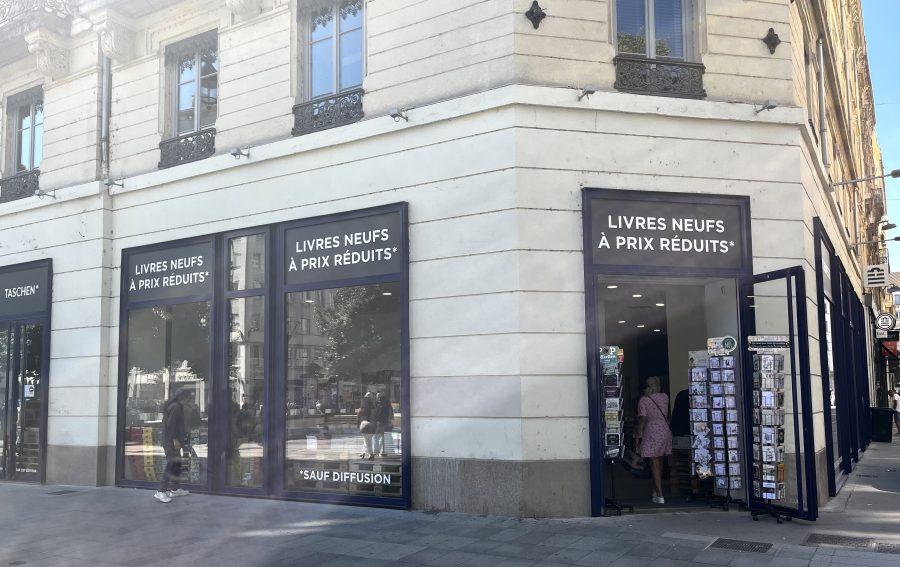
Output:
x=162 y=497
x=177 y=493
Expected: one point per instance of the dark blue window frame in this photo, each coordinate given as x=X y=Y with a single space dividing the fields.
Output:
x=591 y=271
x=37 y=318
x=275 y=291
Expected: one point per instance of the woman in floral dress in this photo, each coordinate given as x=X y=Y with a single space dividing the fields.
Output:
x=654 y=439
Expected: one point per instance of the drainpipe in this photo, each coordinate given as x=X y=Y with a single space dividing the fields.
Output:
x=105 y=101
x=823 y=122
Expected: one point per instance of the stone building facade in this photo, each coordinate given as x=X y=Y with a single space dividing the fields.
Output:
x=133 y=126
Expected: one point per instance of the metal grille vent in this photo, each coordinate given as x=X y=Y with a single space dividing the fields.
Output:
x=887 y=548
x=839 y=540
x=741 y=545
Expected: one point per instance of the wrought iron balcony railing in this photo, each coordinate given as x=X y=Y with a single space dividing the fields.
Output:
x=187 y=148
x=323 y=113
x=11 y=10
x=641 y=75
x=19 y=186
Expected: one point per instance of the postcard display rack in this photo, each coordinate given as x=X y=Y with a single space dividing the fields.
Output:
x=768 y=431
x=611 y=358
x=715 y=427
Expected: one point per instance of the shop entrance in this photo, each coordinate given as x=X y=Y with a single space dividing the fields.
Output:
x=659 y=324
x=22 y=394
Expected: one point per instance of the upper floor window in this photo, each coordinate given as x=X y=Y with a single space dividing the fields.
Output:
x=335 y=48
x=194 y=68
x=26 y=112
x=654 y=28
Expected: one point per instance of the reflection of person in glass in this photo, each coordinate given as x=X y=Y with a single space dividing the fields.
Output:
x=365 y=418
x=384 y=416
x=174 y=438
x=654 y=439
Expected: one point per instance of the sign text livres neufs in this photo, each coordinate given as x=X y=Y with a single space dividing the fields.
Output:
x=168 y=273
x=675 y=243
x=346 y=257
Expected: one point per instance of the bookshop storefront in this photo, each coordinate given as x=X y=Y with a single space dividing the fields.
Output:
x=287 y=348
x=678 y=324
x=25 y=296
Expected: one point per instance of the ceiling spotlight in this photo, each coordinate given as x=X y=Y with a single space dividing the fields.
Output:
x=309 y=300
x=636 y=295
x=656 y=330
x=587 y=91
x=386 y=293
x=641 y=326
x=660 y=304
x=237 y=153
x=40 y=193
x=398 y=114
x=620 y=322
x=612 y=287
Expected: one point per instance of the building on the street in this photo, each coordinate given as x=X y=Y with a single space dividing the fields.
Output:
x=387 y=246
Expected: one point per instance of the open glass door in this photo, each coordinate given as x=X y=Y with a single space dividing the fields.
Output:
x=779 y=436
x=5 y=337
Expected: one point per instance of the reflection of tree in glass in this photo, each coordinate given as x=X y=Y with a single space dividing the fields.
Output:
x=170 y=335
x=33 y=340
x=637 y=43
x=363 y=332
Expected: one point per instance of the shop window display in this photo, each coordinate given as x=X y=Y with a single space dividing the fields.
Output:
x=168 y=353
x=246 y=387
x=342 y=411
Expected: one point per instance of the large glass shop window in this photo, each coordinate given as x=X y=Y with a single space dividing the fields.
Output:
x=343 y=390
x=168 y=353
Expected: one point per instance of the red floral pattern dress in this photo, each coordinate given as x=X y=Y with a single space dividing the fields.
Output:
x=657 y=441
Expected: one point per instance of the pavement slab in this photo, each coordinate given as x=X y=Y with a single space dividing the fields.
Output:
x=119 y=527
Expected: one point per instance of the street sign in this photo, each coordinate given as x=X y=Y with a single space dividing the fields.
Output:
x=885 y=321
x=876 y=275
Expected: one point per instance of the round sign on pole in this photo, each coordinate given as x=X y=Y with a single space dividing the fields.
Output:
x=885 y=321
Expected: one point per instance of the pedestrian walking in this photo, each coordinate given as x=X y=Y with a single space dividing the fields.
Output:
x=175 y=439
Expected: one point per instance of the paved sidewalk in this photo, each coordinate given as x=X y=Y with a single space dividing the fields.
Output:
x=117 y=526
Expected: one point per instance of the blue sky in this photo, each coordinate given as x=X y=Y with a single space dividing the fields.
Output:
x=881 y=18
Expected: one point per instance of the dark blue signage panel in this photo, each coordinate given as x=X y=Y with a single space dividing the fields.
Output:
x=25 y=291
x=170 y=273
x=642 y=231
x=344 y=249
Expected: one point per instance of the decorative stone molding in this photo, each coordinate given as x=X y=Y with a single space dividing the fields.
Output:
x=116 y=37
x=51 y=53
x=244 y=9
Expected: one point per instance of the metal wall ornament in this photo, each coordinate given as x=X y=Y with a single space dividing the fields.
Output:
x=772 y=40
x=324 y=113
x=657 y=77
x=535 y=14
x=19 y=186
x=187 y=148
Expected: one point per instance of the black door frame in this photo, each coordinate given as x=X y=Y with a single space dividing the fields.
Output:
x=795 y=293
x=13 y=322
